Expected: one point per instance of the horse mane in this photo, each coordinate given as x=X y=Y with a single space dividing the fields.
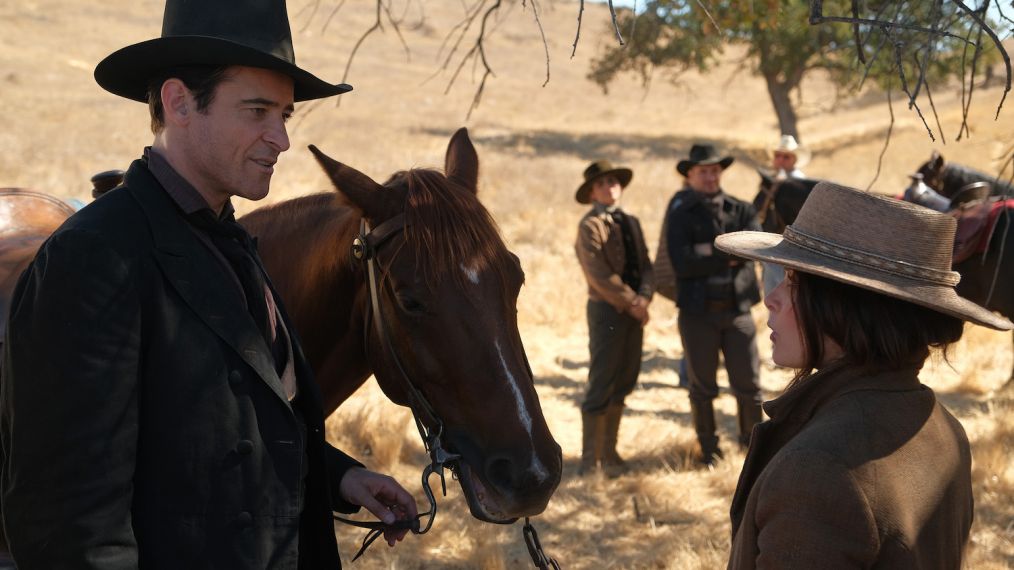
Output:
x=321 y=222
x=449 y=229
x=955 y=176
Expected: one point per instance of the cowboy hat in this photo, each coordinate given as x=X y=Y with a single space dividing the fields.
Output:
x=597 y=170
x=788 y=143
x=884 y=245
x=253 y=33
x=702 y=154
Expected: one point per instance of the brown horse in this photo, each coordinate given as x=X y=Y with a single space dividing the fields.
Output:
x=446 y=296
x=27 y=218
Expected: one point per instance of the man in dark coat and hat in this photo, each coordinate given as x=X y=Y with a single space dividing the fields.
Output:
x=157 y=410
x=714 y=294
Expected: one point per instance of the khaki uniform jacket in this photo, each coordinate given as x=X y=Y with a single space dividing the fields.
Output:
x=854 y=470
x=601 y=254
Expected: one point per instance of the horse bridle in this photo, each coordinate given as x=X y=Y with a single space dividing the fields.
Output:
x=769 y=205
x=364 y=249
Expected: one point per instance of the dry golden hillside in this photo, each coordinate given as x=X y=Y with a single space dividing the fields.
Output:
x=57 y=128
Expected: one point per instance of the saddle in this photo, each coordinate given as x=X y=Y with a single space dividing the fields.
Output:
x=976 y=222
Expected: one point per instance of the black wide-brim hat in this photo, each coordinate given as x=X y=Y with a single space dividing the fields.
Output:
x=597 y=170
x=703 y=154
x=252 y=33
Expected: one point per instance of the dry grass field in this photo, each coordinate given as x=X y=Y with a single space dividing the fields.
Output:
x=57 y=128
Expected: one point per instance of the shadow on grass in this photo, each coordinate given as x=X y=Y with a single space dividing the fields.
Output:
x=591 y=146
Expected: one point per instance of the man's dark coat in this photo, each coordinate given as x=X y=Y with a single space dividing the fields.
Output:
x=690 y=223
x=143 y=422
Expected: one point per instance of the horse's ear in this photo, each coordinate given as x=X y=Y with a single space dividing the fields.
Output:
x=359 y=189
x=462 y=163
x=937 y=160
x=766 y=179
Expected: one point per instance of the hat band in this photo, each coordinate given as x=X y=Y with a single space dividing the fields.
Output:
x=870 y=260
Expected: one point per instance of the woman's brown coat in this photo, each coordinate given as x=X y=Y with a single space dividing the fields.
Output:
x=854 y=471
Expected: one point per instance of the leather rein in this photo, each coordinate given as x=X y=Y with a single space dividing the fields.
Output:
x=364 y=249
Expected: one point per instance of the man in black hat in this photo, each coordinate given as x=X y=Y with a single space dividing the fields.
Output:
x=714 y=294
x=157 y=410
x=610 y=247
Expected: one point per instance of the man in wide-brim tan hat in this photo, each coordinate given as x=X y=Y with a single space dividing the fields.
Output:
x=859 y=465
x=788 y=157
x=157 y=410
x=614 y=258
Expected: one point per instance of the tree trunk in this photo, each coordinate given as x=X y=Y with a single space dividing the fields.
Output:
x=779 y=93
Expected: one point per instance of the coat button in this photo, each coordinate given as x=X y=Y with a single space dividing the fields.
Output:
x=245 y=447
x=244 y=520
x=235 y=377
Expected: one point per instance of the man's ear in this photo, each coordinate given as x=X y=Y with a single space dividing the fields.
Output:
x=177 y=102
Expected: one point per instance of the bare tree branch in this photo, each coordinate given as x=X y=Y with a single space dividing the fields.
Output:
x=330 y=16
x=580 y=13
x=983 y=28
x=708 y=14
x=313 y=11
x=855 y=31
x=352 y=56
x=480 y=43
x=616 y=26
x=820 y=19
x=936 y=116
x=545 y=44
x=898 y=48
x=966 y=96
x=887 y=142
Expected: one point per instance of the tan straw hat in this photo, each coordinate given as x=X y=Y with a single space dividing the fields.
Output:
x=788 y=143
x=885 y=245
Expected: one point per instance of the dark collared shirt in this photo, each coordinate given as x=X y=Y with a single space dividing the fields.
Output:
x=189 y=201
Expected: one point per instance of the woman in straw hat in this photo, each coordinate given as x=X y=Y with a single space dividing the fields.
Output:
x=859 y=465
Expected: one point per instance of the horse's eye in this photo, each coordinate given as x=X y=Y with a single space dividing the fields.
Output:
x=410 y=304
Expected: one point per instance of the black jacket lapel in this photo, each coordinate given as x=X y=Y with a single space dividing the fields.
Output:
x=189 y=266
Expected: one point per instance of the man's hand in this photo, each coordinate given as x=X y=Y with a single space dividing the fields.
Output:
x=382 y=496
x=639 y=310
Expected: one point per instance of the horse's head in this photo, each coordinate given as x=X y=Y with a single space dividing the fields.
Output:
x=447 y=295
x=932 y=171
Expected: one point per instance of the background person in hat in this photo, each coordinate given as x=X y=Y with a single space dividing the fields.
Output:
x=859 y=465
x=787 y=157
x=612 y=253
x=714 y=294
x=157 y=409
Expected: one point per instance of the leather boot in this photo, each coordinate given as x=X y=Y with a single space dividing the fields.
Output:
x=611 y=460
x=704 y=425
x=592 y=429
x=750 y=414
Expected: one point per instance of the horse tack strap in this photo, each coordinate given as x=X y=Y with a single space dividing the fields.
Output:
x=365 y=246
x=769 y=198
x=539 y=557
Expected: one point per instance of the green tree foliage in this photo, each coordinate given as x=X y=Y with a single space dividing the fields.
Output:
x=914 y=43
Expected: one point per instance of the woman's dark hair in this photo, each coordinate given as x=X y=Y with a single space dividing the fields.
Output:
x=875 y=332
x=201 y=80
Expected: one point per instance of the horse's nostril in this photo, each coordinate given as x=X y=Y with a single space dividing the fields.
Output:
x=500 y=472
